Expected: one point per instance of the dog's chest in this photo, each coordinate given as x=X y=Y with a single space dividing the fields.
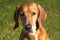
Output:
x=33 y=37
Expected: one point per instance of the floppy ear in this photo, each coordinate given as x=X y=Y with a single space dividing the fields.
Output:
x=42 y=14
x=16 y=17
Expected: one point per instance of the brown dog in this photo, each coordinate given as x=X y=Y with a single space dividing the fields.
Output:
x=32 y=16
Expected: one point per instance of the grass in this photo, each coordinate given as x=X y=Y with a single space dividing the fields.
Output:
x=52 y=23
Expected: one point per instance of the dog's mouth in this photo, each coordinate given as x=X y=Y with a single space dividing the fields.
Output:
x=27 y=31
x=31 y=29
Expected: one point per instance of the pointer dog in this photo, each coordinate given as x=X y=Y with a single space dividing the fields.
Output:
x=32 y=16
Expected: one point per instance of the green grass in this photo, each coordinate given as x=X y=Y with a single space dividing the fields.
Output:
x=52 y=23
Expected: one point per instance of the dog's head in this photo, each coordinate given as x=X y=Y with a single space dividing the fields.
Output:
x=32 y=16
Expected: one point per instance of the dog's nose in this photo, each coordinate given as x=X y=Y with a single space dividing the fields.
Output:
x=28 y=26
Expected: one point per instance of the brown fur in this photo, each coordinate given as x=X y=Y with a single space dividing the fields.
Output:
x=39 y=17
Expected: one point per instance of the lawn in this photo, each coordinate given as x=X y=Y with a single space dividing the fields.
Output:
x=51 y=24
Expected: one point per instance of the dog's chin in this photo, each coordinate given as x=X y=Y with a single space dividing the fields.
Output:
x=29 y=31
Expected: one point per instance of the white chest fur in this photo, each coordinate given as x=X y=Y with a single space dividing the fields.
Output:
x=34 y=34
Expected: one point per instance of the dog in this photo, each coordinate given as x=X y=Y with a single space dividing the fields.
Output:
x=32 y=16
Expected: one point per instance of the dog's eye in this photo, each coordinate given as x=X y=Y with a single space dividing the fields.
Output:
x=22 y=13
x=33 y=13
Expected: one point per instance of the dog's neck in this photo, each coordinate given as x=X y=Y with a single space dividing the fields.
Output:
x=33 y=36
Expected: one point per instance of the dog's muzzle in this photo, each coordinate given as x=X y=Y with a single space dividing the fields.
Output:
x=28 y=26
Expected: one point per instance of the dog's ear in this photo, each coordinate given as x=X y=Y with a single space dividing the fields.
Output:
x=16 y=17
x=42 y=14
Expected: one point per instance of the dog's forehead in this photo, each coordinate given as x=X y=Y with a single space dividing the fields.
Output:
x=29 y=7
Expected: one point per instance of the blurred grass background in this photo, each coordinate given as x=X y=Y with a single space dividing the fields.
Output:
x=52 y=23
